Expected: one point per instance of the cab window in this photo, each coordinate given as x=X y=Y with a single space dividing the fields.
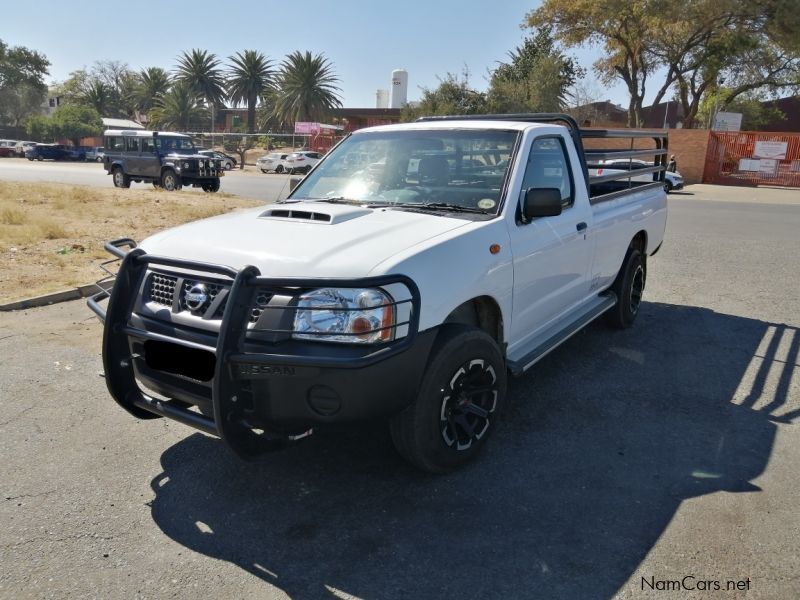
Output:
x=148 y=145
x=548 y=167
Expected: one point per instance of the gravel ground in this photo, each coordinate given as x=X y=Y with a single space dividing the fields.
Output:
x=628 y=460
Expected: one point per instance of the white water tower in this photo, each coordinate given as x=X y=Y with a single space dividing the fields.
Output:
x=382 y=99
x=399 y=88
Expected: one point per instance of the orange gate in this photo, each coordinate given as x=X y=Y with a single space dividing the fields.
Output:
x=753 y=158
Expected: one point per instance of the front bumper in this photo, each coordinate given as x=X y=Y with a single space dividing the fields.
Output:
x=254 y=394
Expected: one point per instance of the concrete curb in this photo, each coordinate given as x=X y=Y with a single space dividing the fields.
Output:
x=82 y=291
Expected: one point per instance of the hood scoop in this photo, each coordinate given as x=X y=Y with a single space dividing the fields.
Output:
x=308 y=213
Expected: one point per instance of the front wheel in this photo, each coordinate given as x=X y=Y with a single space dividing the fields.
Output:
x=629 y=288
x=170 y=181
x=279 y=169
x=211 y=187
x=460 y=399
x=667 y=187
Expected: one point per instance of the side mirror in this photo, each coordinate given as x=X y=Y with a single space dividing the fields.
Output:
x=541 y=202
x=293 y=181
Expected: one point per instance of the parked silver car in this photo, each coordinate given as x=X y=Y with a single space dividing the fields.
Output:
x=96 y=153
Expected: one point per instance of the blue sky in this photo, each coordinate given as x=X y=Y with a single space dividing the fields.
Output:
x=364 y=40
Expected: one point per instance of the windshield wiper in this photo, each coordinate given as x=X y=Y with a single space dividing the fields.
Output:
x=332 y=200
x=445 y=206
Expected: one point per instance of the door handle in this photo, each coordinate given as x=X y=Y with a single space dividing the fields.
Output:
x=581 y=226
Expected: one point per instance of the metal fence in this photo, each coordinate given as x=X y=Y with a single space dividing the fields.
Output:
x=753 y=158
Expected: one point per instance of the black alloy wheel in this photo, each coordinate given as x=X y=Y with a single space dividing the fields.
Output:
x=460 y=400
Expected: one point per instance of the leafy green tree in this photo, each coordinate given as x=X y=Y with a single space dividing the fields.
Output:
x=696 y=42
x=453 y=96
x=307 y=88
x=39 y=128
x=22 y=87
x=249 y=75
x=108 y=87
x=537 y=77
x=621 y=27
x=755 y=113
x=75 y=122
x=181 y=108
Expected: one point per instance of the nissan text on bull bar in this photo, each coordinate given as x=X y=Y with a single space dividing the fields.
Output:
x=406 y=285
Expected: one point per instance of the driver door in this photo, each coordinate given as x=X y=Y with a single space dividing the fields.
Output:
x=552 y=255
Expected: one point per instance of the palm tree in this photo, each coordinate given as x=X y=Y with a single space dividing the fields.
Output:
x=179 y=108
x=307 y=88
x=202 y=72
x=152 y=84
x=249 y=77
x=98 y=96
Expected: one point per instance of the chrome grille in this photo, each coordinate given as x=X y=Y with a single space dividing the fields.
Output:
x=162 y=289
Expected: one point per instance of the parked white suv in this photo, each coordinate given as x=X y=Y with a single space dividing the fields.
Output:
x=302 y=162
x=275 y=161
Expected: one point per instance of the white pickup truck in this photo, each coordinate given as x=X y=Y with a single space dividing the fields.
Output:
x=466 y=249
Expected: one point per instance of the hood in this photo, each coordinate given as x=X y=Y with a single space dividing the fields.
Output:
x=304 y=239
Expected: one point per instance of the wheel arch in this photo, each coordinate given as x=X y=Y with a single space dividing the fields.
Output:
x=482 y=312
x=639 y=241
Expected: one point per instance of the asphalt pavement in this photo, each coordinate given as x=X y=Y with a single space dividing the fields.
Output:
x=248 y=183
x=628 y=461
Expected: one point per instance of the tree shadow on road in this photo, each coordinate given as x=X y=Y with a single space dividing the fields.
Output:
x=604 y=440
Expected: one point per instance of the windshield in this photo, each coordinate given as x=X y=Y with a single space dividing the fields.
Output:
x=459 y=168
x=169 y=144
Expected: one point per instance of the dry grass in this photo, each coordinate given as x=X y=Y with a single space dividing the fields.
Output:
x=52 y=235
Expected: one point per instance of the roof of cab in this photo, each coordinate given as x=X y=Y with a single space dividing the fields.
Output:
x=494 y=124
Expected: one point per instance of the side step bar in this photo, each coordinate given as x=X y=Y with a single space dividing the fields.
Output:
x=554 y=340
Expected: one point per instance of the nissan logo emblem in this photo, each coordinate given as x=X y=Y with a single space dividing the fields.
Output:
x=196 y=297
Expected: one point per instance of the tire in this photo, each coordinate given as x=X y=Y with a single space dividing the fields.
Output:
x=120 y=179
x=228 y=166
x=461 y=395
x=30 y=159
x=212 y=187
x=98 y=159
x=264 y=171
x=629 y=288
x=279 y=169
x=170 y=181
x=667 y=187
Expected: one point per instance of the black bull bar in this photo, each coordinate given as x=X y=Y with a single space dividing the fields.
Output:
x=228 y=422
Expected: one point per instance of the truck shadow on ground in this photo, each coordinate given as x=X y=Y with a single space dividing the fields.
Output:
x=604 y=440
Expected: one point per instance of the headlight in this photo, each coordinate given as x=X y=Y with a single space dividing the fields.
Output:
x=346 y=315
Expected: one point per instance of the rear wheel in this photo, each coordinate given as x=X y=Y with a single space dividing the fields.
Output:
x=667 y=187
x=170 y=181
x=228 y=166
x=264 y=171
x=279 y=169
x=120 y=179
x=629 y=288
x=460 y=399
